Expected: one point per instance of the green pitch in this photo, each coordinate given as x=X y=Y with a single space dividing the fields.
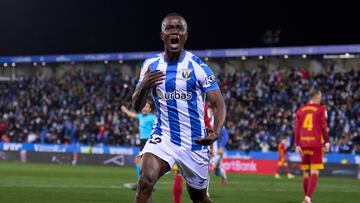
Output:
x=50 y=183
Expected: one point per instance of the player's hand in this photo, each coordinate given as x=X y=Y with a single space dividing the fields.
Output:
x=298 y=150
x=123 y=108
x=220 y=151
x=209 y=139
x=152 y=79
x=327 y=147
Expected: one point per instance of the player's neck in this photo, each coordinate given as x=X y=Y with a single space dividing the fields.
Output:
x=313 y=102
x=174 y=57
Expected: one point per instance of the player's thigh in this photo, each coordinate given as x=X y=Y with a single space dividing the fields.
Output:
x=157 y=155
x=153 y=167
x=305 y=158
x=316 y=159
x=142 y=144
x=197 y=195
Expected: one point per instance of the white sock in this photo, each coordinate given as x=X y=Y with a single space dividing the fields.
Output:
x=208 y=184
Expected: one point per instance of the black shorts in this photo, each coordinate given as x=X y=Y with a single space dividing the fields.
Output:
x=142 y=143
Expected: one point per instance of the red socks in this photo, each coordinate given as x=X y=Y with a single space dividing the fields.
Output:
x=312 y=185
x=305 y=184
x=177 y=188
x=278 y=170
x=287 y=169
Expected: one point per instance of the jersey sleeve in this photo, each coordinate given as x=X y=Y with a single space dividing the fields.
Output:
x=207 y=79
x=297 y=129
x=145 y=67
x=323 y=123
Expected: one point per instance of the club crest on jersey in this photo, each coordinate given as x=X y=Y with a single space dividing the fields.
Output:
x=186 y=74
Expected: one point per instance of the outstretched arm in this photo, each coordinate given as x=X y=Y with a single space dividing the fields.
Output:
x=216 y=99
x=324 y=130
x=129 y=113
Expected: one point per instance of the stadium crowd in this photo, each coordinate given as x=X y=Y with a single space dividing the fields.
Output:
x=261 y=107
x=84 y=107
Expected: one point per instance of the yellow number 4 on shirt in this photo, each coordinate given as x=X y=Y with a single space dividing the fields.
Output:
x=308 y=122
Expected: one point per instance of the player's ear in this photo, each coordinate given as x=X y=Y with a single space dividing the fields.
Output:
x=186 y=36
x=162 y=36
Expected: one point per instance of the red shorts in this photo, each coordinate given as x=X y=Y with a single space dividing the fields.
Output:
x=312 y=158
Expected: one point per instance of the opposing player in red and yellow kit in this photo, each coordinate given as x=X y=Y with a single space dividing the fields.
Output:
x=282 y=162
x=311 y=134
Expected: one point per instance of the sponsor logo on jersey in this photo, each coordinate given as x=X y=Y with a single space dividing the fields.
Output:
x=174 y=95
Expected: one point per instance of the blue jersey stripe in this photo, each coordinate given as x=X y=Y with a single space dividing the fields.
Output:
x=193 y=107
x=157 y=130
x=208 y=72
x=173 y=114
x=153 y=66
x=202 y=65
x=197 y=60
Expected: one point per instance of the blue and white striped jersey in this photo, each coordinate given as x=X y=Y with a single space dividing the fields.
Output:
x=179 y=99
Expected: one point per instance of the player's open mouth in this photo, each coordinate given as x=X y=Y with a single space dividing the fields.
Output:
x=174 y=40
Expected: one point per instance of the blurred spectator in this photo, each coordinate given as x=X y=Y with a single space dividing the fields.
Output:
x=80 y=107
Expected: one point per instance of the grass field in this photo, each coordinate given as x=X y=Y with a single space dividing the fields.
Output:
x=49 y=183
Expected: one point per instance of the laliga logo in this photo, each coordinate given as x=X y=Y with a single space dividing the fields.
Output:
x=209 y=79
x=174 y=95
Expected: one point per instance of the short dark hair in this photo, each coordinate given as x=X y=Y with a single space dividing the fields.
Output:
x=176 y=15
x=313 y=92
x=148 y=100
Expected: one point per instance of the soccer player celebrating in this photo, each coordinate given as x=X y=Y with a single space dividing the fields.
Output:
x=177 y=80
x=310 y=135
x=282 y=162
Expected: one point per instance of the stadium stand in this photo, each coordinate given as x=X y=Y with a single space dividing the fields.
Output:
x=82 y=106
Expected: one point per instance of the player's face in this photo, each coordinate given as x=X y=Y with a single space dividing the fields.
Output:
x=318 y=98
x=146 y=109
x=174 y=34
